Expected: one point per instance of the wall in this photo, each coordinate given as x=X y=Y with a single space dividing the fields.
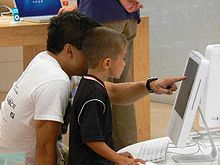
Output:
x=176 y=27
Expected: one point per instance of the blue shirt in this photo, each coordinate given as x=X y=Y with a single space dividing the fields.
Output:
x=106 y=10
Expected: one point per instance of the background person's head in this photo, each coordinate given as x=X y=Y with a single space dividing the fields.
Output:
x=65 y=34
x=105 y=49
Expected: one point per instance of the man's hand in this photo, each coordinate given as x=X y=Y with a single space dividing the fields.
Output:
x=131 y=5
x=166 y=85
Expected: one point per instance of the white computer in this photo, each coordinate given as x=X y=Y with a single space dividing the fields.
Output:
x=184 y=110
x=210 y=102
x=186 y=105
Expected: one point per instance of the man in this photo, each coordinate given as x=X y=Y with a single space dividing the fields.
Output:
x=122 y=16
x=32 y=112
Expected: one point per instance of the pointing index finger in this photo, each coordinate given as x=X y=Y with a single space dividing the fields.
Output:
x=177 y=79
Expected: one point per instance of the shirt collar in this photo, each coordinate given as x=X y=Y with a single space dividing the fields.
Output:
x=94 y=78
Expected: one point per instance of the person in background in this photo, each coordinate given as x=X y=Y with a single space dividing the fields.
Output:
x=122 y=16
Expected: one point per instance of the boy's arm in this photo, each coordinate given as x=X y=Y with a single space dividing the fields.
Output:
x=105 y=151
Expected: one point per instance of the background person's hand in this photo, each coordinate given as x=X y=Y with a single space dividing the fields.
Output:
x=166 y=85
x=131 y=5
x=67 y=9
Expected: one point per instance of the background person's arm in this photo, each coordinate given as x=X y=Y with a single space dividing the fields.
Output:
x=131 y=5
x=68 y=8
x=128 y=93
x=46 y=137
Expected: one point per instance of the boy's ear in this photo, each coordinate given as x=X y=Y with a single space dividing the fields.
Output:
x=106 y=63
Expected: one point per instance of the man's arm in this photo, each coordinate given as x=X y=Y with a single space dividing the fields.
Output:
x=128 y=93
x=46 y=137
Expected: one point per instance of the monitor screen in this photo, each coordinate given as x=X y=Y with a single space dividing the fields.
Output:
x=186 y=87
x=37 y=7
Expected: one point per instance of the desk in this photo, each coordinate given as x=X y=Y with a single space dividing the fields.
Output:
x=134 y=150
x=32 y=36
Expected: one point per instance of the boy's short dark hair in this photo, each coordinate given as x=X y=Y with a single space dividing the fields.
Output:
x=69 y=27
x=102 y=42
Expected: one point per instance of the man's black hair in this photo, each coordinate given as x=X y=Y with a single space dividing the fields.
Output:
x=69 y=27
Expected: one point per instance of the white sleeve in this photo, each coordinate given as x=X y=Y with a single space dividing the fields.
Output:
x=50 y=100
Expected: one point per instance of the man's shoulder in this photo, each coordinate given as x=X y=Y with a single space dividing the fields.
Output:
x=45 y=67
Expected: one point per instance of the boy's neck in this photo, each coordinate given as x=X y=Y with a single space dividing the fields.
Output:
x=100 y=74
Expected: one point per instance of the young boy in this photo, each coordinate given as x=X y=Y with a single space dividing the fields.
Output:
x=91 y=119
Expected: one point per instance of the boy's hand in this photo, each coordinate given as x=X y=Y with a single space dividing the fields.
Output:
x=129 y=161
x=131 y=5
x=126 y=154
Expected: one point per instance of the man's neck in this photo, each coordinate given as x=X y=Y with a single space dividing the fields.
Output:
x=58 y=58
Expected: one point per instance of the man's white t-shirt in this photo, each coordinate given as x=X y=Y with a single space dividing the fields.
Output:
x=41 y=93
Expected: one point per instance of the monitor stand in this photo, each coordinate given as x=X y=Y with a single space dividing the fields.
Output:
x=199 y=158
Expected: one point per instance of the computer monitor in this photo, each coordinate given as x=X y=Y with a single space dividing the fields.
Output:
x=186 y=105
x=210 y=102
x=29 y=8
x=188 y=98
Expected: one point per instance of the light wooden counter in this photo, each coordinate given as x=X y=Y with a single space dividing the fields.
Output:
x=32 y=36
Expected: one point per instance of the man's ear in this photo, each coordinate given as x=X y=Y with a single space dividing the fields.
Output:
x=106 y=63
x=69 y=50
